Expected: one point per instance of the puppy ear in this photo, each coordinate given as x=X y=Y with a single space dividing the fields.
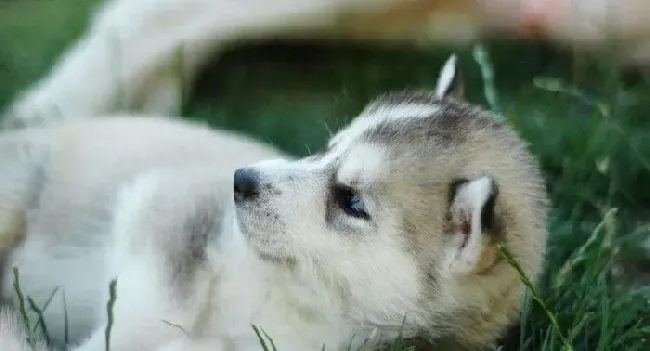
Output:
x=450 y=79
x=472 y=219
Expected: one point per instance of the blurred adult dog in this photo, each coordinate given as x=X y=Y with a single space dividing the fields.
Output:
x=393 y=229
x=138 y=55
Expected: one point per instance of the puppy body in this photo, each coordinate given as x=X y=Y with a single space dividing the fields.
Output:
x=392 y=230
x=62 y=182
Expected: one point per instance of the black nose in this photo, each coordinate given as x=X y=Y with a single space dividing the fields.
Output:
x=247 y=183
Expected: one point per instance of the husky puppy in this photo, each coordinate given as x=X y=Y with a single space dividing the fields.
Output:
x=392 y=230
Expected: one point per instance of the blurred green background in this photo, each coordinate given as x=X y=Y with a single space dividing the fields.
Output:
x=586 y=121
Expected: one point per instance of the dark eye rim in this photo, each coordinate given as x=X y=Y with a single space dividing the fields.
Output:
x=342 y=195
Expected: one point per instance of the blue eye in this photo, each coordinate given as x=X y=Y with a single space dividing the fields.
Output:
x=351 y=203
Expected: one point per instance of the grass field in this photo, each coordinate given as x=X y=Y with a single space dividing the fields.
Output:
x=588 y=124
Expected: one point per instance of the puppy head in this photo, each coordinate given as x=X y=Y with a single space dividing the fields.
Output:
x=404 y=209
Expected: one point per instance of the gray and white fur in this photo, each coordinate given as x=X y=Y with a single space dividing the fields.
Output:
x=394 y=227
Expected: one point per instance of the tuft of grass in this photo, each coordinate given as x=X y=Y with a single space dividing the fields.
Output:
x=264 y=337
x=482 y=58
x=22 y=305
x=66 y=325
x=41 y=322
x=566 y=345
x=112 y=292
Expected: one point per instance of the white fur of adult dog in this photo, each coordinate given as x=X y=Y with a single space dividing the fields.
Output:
x=393 y=228
x=140 y=55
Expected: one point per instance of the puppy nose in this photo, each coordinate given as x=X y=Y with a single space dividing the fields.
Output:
x=247 y=183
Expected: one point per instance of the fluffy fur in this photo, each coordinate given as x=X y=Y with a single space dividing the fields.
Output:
x=12 y=333
x=140 y=55
x=393 y=228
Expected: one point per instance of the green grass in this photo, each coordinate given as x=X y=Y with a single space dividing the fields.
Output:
x=588 y=124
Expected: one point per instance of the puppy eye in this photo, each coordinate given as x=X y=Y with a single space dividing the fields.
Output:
x=351 y=202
